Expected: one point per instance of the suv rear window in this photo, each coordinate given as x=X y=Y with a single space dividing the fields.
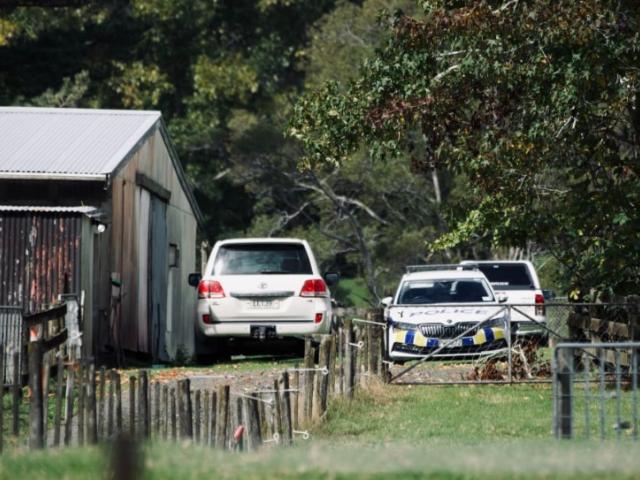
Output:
x=507 y=276
x=261 y=259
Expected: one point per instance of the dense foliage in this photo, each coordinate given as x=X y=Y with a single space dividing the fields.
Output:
x=535 y=102
x=428 y=130
x=208 y=65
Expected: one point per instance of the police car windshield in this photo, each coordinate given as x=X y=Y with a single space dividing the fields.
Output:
x=425 y=292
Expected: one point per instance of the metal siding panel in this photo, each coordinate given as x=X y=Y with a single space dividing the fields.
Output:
x=32 y=260
x=11 y=338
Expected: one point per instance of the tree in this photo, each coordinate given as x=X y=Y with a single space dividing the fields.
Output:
x=535 y=102
x=367 y=219
x=203 y=63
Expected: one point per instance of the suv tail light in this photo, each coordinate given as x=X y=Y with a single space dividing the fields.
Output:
x=314 y=288
x=210 y=289
x=540 y=310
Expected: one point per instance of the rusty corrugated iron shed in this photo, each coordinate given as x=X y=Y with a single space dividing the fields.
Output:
x=39 y=257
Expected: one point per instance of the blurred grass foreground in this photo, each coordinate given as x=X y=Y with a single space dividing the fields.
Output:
x=456 y=432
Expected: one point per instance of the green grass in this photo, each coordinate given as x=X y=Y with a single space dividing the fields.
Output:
x=451 y=414
x=450 y=432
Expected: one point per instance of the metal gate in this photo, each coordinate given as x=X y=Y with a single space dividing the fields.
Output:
x=527 y=334
x=595 y=390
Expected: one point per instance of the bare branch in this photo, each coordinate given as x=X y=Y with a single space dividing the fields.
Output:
x=341 y=199
x=287 y=218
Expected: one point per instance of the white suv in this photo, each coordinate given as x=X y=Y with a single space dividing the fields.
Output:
x=262 y=288
x=518 y=281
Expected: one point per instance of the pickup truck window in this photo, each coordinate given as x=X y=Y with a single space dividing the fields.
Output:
x=507 y=276
x=262 y=259
x=468 y=290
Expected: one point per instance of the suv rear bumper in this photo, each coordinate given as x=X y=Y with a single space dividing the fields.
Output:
x=283 y=328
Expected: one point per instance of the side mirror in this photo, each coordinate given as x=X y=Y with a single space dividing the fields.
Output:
x=386 y=301
x=194 y=279
x=331 y=279
x=501 y=298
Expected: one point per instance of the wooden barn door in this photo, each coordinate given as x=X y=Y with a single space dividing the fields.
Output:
x=158 y=276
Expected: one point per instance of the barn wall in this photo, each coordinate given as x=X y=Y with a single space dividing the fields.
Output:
x=39 y=257
x=130 y=256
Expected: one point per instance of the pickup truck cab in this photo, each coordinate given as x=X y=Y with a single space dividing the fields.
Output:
x=444 y=311
x=261 y=288
x=518 y=281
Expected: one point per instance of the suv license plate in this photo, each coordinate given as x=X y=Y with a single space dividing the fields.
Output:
x=263 y=304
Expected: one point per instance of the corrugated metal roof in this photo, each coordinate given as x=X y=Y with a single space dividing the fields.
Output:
x=61 y=142
x=86 y=210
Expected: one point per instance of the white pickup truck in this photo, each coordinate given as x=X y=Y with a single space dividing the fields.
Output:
x=446 y=311
x=518 y=281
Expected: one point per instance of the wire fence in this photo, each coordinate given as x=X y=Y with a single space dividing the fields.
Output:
x=595 y=390
x=479 y=343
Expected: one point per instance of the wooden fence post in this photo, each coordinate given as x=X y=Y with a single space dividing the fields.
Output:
x=285 y=409
x=46 y=374
x=381 y=367
x=116 y=378
x=564 y=395
x=81 y=374
x=332 y=365
x=222 y=438
x=69 y=407
x=156 y=410
x=111 y=403
x=144 y=403
x=309 y=364
x=132 y=406
x=277 y=411
x=323 y=376
x=262 y=415
x=361 y=360
x=206 y=414
x=36 y=421
x=239 y=417
x=173 y=402
x=184 y=406
x=165 y=411
x=58 y=409
x=92 y=418
x=295 y=385
x=372 y=336
x=197 y=415
x=252 y=420
x=213 y=418
x=16 y=389
x=348 y=359
x=101 y=403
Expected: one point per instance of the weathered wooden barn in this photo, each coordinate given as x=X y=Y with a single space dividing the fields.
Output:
x=95 y=204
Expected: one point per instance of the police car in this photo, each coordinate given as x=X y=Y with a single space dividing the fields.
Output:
x=444 y=311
